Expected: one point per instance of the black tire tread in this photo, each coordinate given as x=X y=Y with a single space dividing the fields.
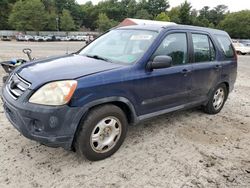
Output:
x=209 y=109
x=86 y=125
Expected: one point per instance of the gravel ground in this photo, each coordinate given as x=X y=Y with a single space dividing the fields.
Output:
x=180 y=149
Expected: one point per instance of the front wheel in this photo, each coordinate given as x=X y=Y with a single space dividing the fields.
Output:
x=102 y=132
x=216 y=100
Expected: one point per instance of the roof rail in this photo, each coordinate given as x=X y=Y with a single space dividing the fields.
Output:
x=132 y=21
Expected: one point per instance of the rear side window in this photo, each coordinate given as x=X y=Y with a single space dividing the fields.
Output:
x=175 y=46
x=226 y=45
x=203 y=48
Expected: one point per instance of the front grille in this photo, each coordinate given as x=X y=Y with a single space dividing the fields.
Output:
x=16 y=86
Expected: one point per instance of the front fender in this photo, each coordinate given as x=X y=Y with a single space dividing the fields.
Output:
x=110 y=100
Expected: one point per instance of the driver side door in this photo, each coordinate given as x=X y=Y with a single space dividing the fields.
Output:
x=167 y=88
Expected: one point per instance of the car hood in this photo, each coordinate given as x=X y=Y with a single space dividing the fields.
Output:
x=62 y=68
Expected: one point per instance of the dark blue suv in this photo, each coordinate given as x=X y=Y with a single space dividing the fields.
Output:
x=85 y=101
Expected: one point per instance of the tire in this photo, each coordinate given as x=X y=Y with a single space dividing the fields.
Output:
x=217 y=100
x=101 y=132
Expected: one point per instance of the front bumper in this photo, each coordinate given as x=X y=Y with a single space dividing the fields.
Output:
x=51 y=126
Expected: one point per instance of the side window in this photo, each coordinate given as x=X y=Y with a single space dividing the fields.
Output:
x=203 y=48
x=226 y=45
x=175 y=46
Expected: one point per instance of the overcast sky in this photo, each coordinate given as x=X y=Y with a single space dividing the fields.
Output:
x=234 y=5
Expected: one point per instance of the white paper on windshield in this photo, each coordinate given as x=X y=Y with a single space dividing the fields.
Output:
x=140 y=37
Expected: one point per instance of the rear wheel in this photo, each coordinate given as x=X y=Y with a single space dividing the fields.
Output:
x=101 y=133
x=217 y=100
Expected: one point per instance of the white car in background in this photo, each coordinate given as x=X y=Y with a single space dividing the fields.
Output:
x=241 y=48
x=81 y=38
x=28 y=38
x=48 y=38
x=67 y=38
x=38 y=38
x=24 y=38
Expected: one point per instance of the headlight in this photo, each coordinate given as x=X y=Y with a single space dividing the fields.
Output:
x=54 y=93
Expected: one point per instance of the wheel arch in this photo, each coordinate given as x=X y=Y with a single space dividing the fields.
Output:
x=121 y=102
x=126 y=106
x=227 y=86
x=226 y=83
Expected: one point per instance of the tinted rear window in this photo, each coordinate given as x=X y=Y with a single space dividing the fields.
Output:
x=203 y=48
x=226 y=45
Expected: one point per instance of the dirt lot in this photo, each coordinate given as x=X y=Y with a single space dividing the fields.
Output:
x=181 y=149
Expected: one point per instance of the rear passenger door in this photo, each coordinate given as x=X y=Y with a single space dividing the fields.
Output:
x=206 y=69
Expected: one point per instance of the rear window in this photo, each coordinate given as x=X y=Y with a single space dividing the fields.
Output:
x=203 y=48
x=226 y=45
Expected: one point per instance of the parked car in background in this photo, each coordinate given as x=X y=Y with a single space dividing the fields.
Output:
x=20 y=38
x=5 y=38
x=245 y=42
x=29 y=38
x=58 y=38
x=73 y=38
x=38 y=38
x=24 y=38
x=48 y=38
x=82 y=38
x=66 y=38
x=241 y=49
x=89 y=39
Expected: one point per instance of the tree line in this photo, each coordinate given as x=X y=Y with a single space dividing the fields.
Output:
x=68 y=15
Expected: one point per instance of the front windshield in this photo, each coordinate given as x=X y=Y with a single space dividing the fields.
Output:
x=120 y=46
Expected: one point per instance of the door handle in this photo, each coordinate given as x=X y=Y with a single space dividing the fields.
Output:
x=217 y=67
x=185 y=71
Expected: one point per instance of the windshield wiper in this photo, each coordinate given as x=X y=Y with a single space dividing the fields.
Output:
x=98 y=57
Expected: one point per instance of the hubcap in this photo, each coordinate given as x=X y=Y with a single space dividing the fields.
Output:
x=106 y=134
x=218 y=99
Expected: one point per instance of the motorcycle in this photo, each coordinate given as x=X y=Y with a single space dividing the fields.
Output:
x=9 y=66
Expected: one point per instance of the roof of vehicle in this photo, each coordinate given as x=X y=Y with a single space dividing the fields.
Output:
x=159 y=27
x=132 y=21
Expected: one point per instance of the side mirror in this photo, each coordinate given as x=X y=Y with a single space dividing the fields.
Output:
x=160 y=62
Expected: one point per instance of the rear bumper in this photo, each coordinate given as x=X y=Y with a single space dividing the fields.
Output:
x=51 y=126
